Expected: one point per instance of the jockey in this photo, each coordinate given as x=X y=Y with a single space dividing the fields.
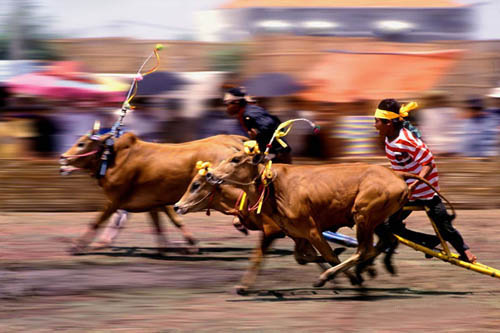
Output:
x=408 y=153
x=259 y=125
x=257 y=122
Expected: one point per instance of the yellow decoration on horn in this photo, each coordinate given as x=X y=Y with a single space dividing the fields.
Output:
x=251 y=147
x=203 y=167
x=97 y=125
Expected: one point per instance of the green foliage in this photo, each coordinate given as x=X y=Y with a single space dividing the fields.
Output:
x=26 y=36
x=228 y=59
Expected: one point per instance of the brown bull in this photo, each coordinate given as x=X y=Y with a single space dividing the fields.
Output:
x=225 y=199
x=144 y=176
x=305 y=200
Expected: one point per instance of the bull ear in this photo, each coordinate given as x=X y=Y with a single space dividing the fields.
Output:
x=257 y=159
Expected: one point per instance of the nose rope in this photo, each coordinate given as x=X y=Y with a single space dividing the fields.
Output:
x=81 y=155
x=202 y=199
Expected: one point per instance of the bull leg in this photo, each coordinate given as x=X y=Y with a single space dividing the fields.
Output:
x=365 y=252
x=159 y=231
x=188 y=236
x=387 y=243
x=326 y=251
x=83 y=241
x=305 y=253
x=331 y=272
x=113 y=228
x=250 y=275
x=239 y=226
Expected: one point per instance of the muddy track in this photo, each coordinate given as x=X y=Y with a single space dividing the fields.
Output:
x=130 y=287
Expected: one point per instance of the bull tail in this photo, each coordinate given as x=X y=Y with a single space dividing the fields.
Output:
x=407 y=175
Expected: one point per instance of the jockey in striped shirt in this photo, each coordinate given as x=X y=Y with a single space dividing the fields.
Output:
x=407 y=152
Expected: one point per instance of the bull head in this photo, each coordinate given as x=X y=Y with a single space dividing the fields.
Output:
x=196 y=197
x=84 y=154
x=239 y=169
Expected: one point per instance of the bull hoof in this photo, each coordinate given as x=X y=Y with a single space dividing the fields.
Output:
x=102 y=245
x=372 y=272
x=319 y=283
x=301 y=261
x=241 y=290
x=77 y=250
x=241 y=228
x=191 y=241
x=191 y=250
x=389 y=266
x=356 y=280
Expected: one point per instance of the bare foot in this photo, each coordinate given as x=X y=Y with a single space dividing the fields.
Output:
x=469 y=257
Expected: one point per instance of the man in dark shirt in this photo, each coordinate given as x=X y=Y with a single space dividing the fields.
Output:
x=259 y=125
x=257 y=122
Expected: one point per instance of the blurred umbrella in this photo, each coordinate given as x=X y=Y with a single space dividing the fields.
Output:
x=158 y=83
x=272 y=85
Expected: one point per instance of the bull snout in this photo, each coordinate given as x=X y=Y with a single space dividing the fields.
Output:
x=179 y=209
x=65 y=168
x=63 y=160
x=213 y=179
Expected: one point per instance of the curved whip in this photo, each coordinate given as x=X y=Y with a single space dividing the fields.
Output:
x=407 y=175
x=133 y=87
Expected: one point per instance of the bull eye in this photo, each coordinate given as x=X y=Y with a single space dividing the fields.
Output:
x=195 y=186
x=235 y=160
x=81 y=144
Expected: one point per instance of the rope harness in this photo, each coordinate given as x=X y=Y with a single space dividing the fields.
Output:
x=265 y=178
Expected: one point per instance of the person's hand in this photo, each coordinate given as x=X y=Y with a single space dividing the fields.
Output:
x=252 y=133
x=412 y=186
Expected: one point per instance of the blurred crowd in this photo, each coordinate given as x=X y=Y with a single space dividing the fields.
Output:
x=32 y=127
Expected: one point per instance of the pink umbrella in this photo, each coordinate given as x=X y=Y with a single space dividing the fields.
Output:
x=48 y=86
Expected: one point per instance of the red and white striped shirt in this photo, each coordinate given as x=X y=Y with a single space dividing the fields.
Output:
x=409 y=154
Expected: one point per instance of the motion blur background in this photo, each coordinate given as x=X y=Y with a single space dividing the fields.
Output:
x=64 y=64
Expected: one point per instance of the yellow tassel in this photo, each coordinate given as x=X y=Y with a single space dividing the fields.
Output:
x=243 y=199
x=261 y=200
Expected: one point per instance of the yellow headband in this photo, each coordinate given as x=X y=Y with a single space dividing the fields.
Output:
x=403 y=112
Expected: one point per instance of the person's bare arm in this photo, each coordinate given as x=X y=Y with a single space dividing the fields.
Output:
x=426 y=169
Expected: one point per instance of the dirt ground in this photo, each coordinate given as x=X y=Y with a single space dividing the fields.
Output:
x=130 y=288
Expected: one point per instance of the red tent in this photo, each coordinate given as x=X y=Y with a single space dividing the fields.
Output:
x=344 y=76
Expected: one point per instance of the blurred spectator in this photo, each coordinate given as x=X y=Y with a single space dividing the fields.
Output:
x=439 y=123
x=259 y=124
x=144 y=120
x=479 y=130
x=4 y=96
x=44 y=138
x=74 y=119
x=214 y=121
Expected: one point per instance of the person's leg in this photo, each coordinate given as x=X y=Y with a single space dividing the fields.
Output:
x=397 y=226
x=443 y=222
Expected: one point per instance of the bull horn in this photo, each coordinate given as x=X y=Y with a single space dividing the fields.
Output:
x=97 y=125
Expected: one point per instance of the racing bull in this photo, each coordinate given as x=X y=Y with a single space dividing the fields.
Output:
x=143 y=176
x=227 y=199
x=305 y=200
